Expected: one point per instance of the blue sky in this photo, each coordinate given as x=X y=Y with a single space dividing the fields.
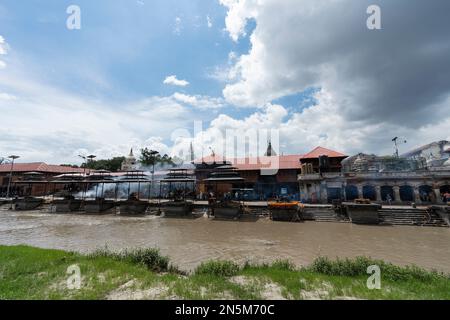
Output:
x=132 y=46
x=123 y=52
x=246 y=64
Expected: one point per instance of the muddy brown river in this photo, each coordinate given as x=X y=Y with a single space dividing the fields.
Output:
x=191 y=241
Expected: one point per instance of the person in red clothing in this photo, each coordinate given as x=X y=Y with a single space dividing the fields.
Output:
x=446 y=197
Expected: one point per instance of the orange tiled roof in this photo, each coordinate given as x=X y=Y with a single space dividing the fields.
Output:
x=280 y=162
x=38 y=167
x=256 y=163
x=320 y=151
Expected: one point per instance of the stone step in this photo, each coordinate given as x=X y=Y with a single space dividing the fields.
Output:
x=420 y=222
x=324 y=215
x=320 y=214
x=410 y=217
x=402 y=212
x=416 y=224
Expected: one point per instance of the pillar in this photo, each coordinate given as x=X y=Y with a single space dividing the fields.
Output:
x=323 y=193
x=360 y=191
x=378 y=193
x=417 y=195
x=437 y=193
x=397 y=197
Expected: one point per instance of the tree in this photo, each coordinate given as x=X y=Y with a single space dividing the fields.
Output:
x=151 y=157
x=112 y=165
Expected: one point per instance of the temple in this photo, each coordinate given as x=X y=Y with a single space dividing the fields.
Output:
x=421 y=177
x=324 y=176
x=129 y=164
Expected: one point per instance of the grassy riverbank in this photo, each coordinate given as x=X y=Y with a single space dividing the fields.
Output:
x=32 y=273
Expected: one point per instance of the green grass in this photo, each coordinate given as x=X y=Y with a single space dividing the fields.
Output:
x=218 y=268
x=33 y=273
x=148 y=257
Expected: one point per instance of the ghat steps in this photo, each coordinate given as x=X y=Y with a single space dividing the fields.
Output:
x=321 y=214
x=410 y=217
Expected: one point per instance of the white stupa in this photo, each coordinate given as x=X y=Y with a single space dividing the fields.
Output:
x=129 y=163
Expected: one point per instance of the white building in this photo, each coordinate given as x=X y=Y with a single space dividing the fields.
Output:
x=129 y=164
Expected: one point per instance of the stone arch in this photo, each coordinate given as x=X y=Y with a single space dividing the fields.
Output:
x=387 y=191
x=445 y=188
x=426 y=193
x=334 y=194
x=407 y=193
x=369 y=192
x=351 y=192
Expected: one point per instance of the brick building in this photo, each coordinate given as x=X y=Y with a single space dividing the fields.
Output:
x=265 y=177
x=26 y=178
x=421 y=176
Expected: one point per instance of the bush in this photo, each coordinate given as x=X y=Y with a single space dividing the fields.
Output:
x=218 y=268
x=283 y=265
x=151 y=258
x=359 y=265
x=148 y=257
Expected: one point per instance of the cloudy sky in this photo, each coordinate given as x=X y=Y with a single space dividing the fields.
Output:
x=146 y=73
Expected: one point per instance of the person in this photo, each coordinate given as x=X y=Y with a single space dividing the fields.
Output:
x=447 y=197
x=432 y=197
x=211 y=201
x=389 y=199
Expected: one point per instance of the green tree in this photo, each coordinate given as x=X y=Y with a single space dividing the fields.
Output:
x=151 y=157
x=112 y=165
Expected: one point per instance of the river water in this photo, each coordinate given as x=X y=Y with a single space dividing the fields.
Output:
x=191 y=241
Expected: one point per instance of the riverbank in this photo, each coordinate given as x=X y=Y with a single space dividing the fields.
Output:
x=188 y=242
x=33 y=273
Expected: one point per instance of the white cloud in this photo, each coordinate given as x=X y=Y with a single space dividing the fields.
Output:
x=172 y=80
x=7 y=96
x=227 y=72
x=307 y=43
x=3 y=46
x=59 y=124
x=157 y=143
x=48 y=124
x=318 y=125
x=239 y=11
x=368 y=97
x=199 y=101
x=3 y=51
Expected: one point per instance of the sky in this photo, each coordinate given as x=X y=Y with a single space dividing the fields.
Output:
x=163 y=74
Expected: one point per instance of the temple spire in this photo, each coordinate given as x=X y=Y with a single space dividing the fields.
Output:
x=191 y=150
x=270 y=152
